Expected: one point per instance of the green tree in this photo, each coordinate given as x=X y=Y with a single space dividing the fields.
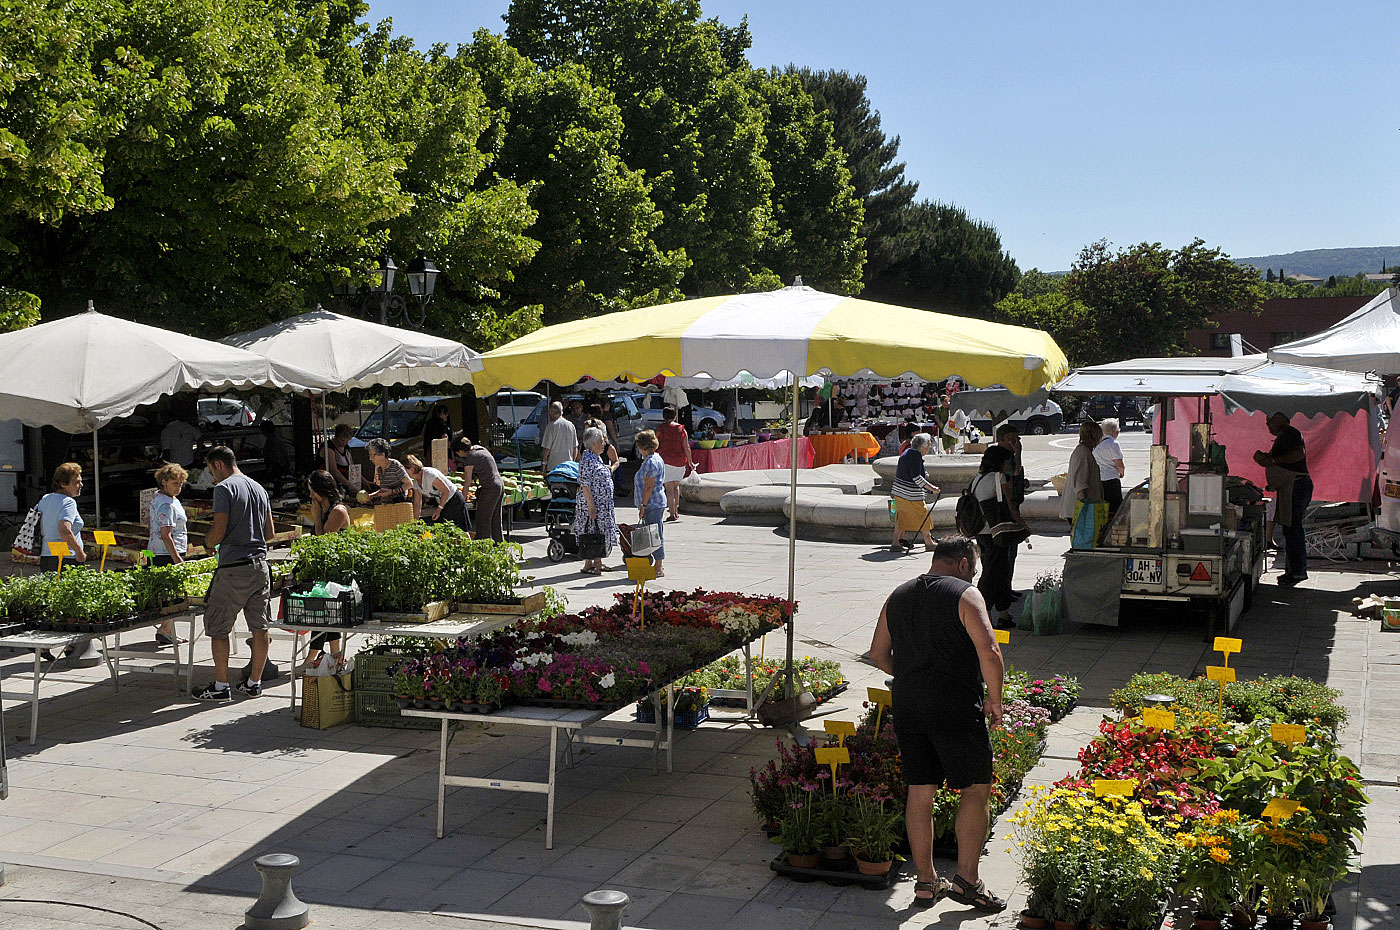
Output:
x=957 y=264
x=816 y=212
x=1145 y=298
x=559 y=135
x=1070 y=322
x=1035 y=282
x=1269 y=275
x=876 y=175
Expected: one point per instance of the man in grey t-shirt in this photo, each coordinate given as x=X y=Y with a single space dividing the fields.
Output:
x=560 y=439
x=242 y=583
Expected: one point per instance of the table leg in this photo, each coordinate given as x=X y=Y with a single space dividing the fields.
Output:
x=189 y=659
x=292 y=668
x=114 y=666
x=748 y=675
x=442 y=776
x=670 y=723
x=34 y=700
x=549 y=802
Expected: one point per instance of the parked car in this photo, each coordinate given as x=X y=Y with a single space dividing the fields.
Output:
x=510 y=408
x=651 y=404
x=407 y=418
x=225 y=411
x=622 y=409
x=1040 y=420
x=1127 y=409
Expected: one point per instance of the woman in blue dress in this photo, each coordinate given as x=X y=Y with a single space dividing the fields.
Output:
x=594 y=513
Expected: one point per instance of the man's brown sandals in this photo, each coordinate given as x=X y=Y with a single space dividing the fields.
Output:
x=975 y=895
x=936 y=889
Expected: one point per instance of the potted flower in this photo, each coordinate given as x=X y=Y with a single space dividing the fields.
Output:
x=874 y=826
x=490 y=689
x=1211 y=861
x=768 y=796
x=799 y=831
x=834 y=816
x=1324 y=864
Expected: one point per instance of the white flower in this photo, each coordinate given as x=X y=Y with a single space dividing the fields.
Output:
x=607 y=681
x=581 y=638
x=517 y=665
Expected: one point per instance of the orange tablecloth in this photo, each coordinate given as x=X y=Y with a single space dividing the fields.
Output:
x=776 y=454
x=828 y=449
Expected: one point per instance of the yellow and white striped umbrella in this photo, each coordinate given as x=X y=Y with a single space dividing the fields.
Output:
x=794 y=329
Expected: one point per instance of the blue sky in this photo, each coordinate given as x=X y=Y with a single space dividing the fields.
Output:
x=1261 y=128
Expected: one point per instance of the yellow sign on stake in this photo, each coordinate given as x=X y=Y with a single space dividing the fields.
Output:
x=1227 y=645
x=1280 y=809
x=104 y=538
x=881 y=698
x=1003 y=636
x=834 y=756
x=1122 y=787
x=1289 y=733
x=840 y=729
x=1157 y=718
x=59 y=549
x=1220 y=673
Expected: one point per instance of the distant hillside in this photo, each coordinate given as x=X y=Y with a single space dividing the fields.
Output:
x=1324 y=262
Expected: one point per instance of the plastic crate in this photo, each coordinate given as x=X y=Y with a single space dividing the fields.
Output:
x=685 y=720
x=299 y=607
x=376 y=672
x=379 y=709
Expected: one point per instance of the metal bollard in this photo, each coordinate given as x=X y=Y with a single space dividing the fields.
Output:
x=604 y=909
x=277 y=907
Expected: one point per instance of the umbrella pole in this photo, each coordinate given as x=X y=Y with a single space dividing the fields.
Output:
x=96 y=479
x=792 y=552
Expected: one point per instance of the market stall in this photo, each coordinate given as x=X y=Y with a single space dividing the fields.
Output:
x=755 y=455
x=833 y=448
x=794 y=329
x=1195 y=532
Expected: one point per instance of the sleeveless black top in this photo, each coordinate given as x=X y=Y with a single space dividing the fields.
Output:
x=937 y=677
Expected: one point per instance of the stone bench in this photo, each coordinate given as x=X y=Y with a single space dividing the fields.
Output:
x=847 y=479
x=952 y=473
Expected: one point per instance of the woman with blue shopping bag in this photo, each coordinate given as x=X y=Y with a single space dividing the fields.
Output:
x=1083 y=503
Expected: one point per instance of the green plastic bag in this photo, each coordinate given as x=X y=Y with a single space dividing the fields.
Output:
x=1047 y=613
x=1026 y=621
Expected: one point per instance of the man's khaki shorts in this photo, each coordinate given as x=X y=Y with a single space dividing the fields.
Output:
x=235 y=589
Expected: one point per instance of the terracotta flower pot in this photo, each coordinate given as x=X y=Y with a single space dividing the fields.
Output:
x=1314 y=922
x=1243 y=920
x=1282 y=920
x=804 y=860
x=1066 y=925
x=1205 y=922
x=834 y=853
x=1032 y=922
x=873 y=868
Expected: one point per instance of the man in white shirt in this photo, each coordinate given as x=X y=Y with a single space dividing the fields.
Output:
x=559 y=440
x=1109 y=456
x=177 y=442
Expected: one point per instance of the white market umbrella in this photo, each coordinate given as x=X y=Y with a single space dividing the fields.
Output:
x=81 y=372
x=793 y=329
x=342 y=352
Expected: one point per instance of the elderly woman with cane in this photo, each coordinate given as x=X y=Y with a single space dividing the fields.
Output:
x=911 y=514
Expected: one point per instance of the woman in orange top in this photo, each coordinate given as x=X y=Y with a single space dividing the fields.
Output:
x=674 y=446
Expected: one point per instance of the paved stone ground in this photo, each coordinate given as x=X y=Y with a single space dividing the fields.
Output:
x=154 y=806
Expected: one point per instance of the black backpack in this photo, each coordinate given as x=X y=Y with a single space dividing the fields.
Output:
x=968 y=516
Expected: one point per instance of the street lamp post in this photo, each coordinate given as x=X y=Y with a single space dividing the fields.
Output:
x=421 y=275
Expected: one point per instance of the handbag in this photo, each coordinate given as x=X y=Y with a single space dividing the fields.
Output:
x=1089 y=519
x=327 y=701
x=592 y=545
x=26 y=542
x=646 y=539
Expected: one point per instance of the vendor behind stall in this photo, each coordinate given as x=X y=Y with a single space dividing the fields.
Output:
x=390 y=476
x=1286 y=470
x=438 y=499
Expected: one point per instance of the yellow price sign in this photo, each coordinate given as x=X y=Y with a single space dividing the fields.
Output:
x=1003 y=636
x=640 y=569
x=1220 y=673
x=1159 y=719
x=1108 y=787
x=840 y=729
x=1228 y=644
x=881 y=698
x=834 y=756
x=104 y=537
x=1280 y=809
x=59 y=549
x=1289 y=733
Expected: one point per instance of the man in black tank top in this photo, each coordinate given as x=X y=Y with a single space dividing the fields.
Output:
x=935 y=638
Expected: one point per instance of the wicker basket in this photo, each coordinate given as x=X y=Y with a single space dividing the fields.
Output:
x=388 y=516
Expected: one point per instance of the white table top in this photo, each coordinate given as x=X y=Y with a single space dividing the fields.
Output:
x=453 y=626
x=42 y=639
x=567 y=718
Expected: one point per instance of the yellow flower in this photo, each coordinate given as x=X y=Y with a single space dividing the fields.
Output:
x=1145 y=872
x=1186 y=841
x=1318 y=838
x=1220 y=855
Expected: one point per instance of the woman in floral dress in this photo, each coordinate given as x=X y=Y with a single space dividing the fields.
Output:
x=595 y=497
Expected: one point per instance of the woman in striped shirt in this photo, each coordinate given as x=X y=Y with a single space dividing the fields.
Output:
x=911 y=514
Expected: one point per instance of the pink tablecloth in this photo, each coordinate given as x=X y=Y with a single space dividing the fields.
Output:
x=776 y=454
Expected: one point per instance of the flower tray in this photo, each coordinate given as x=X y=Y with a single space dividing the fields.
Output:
x=840 y=872
x=684 y=720
x=378 y=709
x=1057 y=716
x=454 y=707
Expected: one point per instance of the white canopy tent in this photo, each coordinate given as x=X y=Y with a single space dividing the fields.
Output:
x=79 y=373
x=341 y=352
x=1368 y=340
x=1249 y=382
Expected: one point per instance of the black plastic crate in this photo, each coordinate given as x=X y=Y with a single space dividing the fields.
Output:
x=299 y=607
